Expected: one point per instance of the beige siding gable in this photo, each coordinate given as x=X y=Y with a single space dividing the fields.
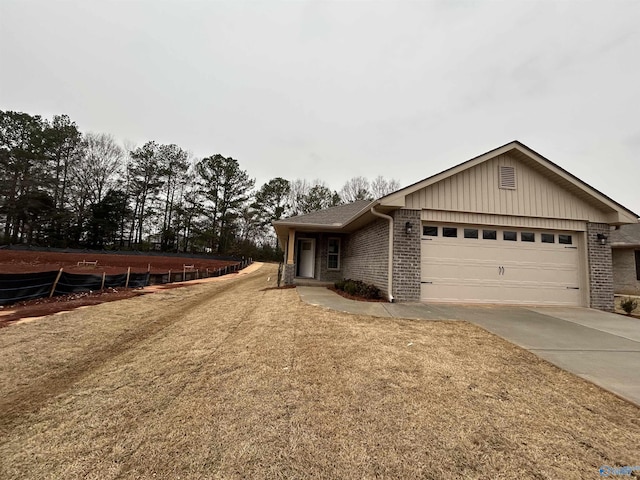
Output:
x=476 y=190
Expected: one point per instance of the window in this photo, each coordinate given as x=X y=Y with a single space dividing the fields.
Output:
x=429 y=231
x=489 y=234
x=565 y=239
x=449 y=232
x=470 y=233
x=333 y=254
x=637 y=252
x=507 y=177
x=528 y=237
x=548 y=238
x=510 y=236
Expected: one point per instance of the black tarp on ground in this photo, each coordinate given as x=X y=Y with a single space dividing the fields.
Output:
x=15 y=287
x=73 y=282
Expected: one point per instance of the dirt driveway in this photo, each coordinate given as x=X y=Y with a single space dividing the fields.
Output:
x=229 y=380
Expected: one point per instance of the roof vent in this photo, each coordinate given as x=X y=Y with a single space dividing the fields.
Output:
x=507 y=177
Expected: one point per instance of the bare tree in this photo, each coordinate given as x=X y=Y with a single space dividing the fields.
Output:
x=381 y=186
x=98 y=165
x=355 y=189
x=95 y=171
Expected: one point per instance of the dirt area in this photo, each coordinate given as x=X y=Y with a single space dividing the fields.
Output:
x=228 y=380
x=40 y=307
x=18 y=261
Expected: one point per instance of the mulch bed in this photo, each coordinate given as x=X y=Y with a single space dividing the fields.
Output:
x=353 y=297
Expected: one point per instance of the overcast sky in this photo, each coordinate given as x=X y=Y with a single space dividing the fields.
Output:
x=332 y=90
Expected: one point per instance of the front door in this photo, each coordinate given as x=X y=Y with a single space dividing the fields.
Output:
x=306 y=256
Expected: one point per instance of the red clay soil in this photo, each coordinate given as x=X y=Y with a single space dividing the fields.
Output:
x=16 y=261
x=39 y=307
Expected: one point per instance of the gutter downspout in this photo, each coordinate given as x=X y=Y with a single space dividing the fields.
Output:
x=390 y=274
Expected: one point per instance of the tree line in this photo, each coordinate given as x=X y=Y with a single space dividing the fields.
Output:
x=60 y=187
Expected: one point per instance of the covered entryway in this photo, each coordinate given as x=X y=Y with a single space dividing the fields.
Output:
x=306 y=257
x=500 y=265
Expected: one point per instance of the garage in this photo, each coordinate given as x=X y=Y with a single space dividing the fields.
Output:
x=490 y=264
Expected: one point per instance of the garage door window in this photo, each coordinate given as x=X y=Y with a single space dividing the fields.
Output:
x=429 y=231
x=528 y=237
x=470 y=233
x=548 y=238
x=510 y=236
x=489 y=235
x=449 y=232
x=565 y=239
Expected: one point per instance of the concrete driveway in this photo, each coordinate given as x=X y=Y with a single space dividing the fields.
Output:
x=601 y=347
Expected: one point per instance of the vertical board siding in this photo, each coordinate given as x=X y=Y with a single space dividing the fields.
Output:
x=502 y=220
x=476 y=190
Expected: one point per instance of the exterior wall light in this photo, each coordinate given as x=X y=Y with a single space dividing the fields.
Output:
x=408 y=228
x=602 y=238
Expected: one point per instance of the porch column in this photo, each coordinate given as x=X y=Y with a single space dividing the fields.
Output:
x=289 y=270
x=290 y=246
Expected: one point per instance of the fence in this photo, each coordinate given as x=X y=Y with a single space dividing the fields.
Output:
x=27 y=286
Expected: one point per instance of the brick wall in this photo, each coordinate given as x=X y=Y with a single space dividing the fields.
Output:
x=600 y=268
x=366 y=254
x=406 y=256
x=625 y=280
x=288 y=274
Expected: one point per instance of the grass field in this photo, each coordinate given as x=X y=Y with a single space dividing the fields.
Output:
x=228 y=380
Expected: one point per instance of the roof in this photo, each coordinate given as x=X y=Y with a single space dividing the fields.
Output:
x=348 y=218
x=523 y=153
x=329 y=217
x=626 y=236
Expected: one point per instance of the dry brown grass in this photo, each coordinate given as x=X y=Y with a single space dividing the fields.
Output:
x=226 y=380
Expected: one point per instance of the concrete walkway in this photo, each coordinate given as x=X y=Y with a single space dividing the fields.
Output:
x=601 y=347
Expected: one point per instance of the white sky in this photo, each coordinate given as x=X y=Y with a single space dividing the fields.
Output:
x=332 y=90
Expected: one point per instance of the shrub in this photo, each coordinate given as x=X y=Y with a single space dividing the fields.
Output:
x=628 y=305
x=358 y=288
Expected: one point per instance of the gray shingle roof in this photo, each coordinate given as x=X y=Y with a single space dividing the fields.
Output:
x=334 y=216
x=626 y=235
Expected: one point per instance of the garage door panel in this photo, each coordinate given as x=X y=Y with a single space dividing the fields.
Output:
x=500 y=271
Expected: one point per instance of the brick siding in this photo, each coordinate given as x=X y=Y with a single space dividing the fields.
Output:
x=288 y=274
x=366 y=254
x=625 y=279
x=600 y=268
x=406 y=256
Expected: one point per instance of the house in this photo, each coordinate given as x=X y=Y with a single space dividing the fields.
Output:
x=625 y=245
x=506 y=227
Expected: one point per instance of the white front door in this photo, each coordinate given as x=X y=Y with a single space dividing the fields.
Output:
x=306 y=257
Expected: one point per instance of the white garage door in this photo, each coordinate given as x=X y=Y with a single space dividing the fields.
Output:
x=500 y=265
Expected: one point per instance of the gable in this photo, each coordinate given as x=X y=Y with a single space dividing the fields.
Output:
x=532 y=187
x=477 y=190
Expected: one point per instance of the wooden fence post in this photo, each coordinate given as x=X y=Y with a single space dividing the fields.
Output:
x=126 y=285
x=103 y=276
x=169 y=279
x=53 y=289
